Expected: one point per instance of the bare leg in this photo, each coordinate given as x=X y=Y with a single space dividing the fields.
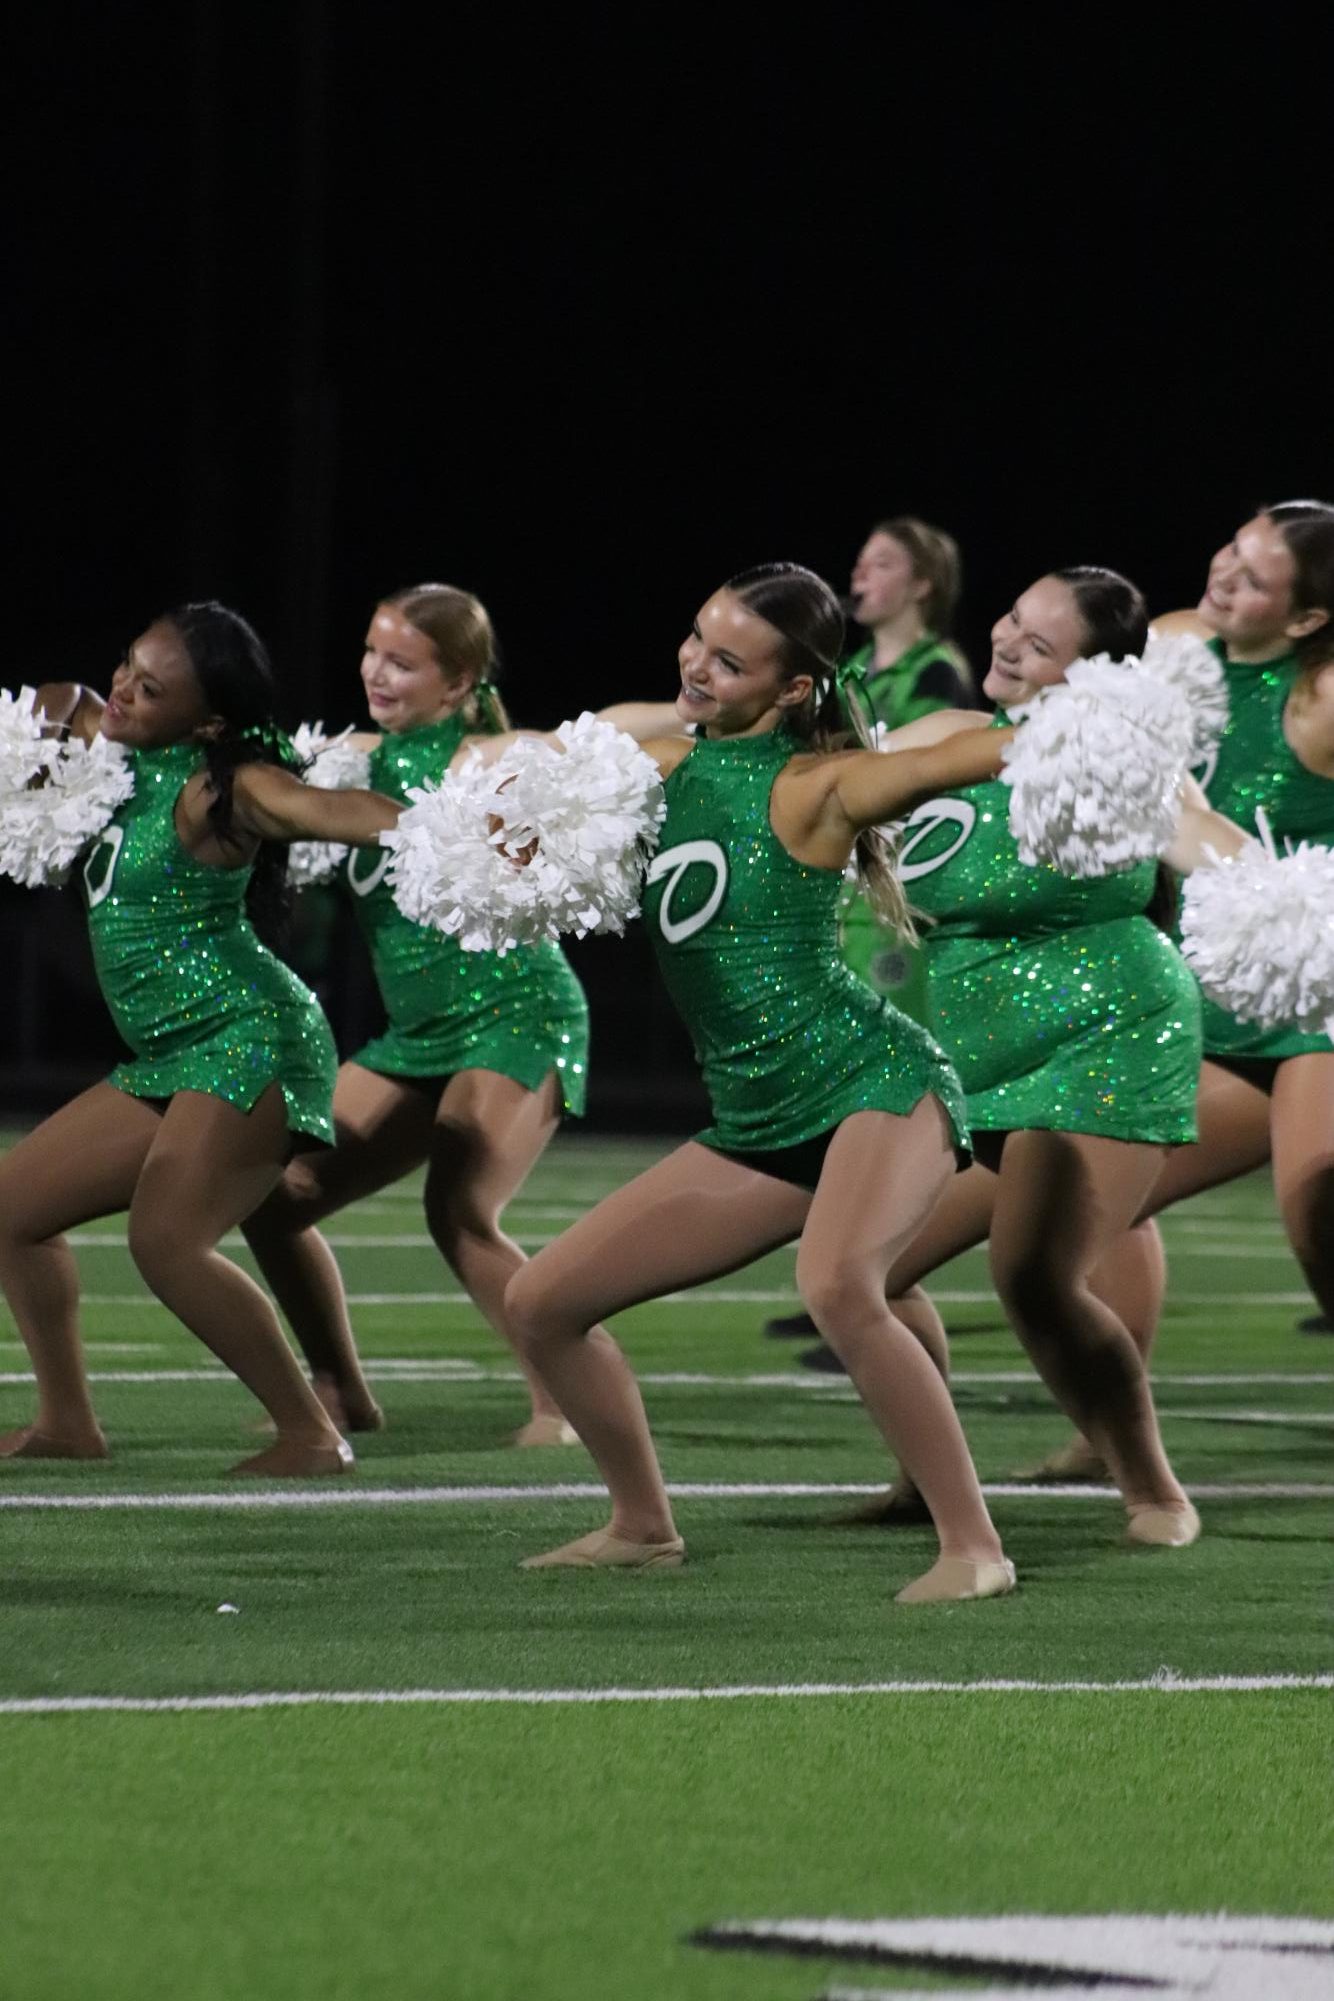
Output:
x=78 y=1165
x=881 y=1176
x=489 y=1133
x=1063 y=1199
x=1303 y=1130
x=1233 y=1116
x=693 y=1216
x=209 y=1166
x=960 y=1219
x=383 y=1128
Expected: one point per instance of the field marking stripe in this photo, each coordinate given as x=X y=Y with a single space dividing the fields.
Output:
x=415 y=1240
x=387 y=1369
x=338 y=1698
x=725 y=1296
x=356 y=1496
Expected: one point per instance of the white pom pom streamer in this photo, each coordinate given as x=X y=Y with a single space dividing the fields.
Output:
x=334 y=765
x=1184 y=661
x=1096 y=768
x=71 y=790
x=1258 y=929
x=534 y=846
x=23 y=749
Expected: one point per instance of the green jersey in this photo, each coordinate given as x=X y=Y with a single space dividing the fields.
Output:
x=790 y=1042
x=1064 y=1008
x=201 y=1002
x=931 y=675
x=1255 y=769
x=523 y=1014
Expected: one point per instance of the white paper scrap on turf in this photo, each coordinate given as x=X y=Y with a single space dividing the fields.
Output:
x=1227 y=1958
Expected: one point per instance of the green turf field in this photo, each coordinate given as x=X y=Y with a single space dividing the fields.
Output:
x=769 y=1740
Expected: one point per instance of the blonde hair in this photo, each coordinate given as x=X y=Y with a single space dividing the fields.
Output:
x=459 y=627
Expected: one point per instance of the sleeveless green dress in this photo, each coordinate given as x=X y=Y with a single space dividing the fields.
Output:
x=1064 y=1008
x=1256 y=768
x=790 y=1042
x=201 y=1002
x=523 y=1014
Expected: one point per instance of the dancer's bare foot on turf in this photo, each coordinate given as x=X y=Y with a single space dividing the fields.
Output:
x=297 y=1459
x=31 y=1443
x=348 y=1408
x=900 y=1506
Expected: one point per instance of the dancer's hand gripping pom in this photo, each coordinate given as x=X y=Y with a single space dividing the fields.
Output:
x=56 y=793
x=537 y=844
x=1258 y=931
x=1096 y=769
x=334 y=765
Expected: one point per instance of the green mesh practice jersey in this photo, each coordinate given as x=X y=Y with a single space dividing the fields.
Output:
x=1255 y=769
x=523 y=1014
x=1063 y=1007
x=203 y=1005
x=790 y=1042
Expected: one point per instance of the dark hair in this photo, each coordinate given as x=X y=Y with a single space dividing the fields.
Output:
x=807 y=616
x=934 y=556
x=459 y=627
x=1307 y=528
x=236 y=678
x=1115 y=616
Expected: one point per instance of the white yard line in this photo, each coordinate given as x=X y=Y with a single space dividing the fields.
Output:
x=354 y=1495
x=433 y=1369
x=102 y=1240
x=1163 y=1683
x=725 y=1295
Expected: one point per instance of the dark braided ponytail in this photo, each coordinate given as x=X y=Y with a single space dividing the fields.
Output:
x=232 y=667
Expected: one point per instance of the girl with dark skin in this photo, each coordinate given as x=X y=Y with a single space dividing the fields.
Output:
x=233 y=1061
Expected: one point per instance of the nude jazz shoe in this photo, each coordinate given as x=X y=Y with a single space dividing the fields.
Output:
x=953 y=1578
x=604 y=1551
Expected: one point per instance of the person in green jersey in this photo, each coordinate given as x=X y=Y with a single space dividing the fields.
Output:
x=482 y=1054
x=1267 y=1094
x=232 y=1062
x=904 y=593
x=1075 y=1026
x=836 y=1119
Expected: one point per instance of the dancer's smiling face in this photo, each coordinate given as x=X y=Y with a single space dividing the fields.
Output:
x=155 y=696
x=1034 y=643
x=406 y=685
x=1248 y=599
x=731 y=671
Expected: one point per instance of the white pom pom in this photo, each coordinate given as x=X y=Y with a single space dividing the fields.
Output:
x=1258 y=929
x=1184 y=661
x=44 y=826
x=1096 y=768
x=23 y=749
x=334 y=765
x=533 y=846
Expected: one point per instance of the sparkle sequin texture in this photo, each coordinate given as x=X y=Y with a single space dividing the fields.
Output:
x=523 y=1014
x=1257 y=770
x=790 y=1042
x=201 y=1002
x=1064 y=1007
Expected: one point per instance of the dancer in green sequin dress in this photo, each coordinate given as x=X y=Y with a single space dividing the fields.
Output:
x=1263 y=1094
x=1075 y=1026
x=835 y=1119
x=482 y=1052
x=231 y=1056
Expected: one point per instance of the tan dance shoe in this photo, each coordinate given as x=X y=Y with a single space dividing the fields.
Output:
x=1163 y=1527
x=954 y=1578
x=604 y=1551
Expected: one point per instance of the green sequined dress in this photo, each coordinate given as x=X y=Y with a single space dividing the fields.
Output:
x=1064 y=1008
x=790 y=1042
x=523 y=1014
x=1256 y=768
x=201 y=1002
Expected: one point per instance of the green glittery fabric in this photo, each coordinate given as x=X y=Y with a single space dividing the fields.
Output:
x=522 y=1015
x=790 y=1042
x=1064 y=1008
x=1256 y=769
x=202 y=1004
